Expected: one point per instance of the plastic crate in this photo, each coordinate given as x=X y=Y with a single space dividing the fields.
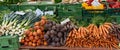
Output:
x=91 y=13
x=118 y=19
x=113 y=11
x=9 y=42
x=13 y=7
x=3 y=7
x=69 y=10
x=50 y=7
x=25 y=7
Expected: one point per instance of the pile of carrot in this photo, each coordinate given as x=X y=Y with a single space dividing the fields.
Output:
x=93 y=36
x=35 y=36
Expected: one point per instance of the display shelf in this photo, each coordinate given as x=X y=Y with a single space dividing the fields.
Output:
x=61 y=48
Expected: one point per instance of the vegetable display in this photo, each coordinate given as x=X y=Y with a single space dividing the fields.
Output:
x=56 y=33
x=35 y=30
x=93 y=36
x=15 y=24
x=35 y=36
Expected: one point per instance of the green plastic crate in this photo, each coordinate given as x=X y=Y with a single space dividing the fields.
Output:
x=9 y=42
x=118 y=19
x=9 y=49
x=3 y=7
x=69 y=10
x=50 y=7
x=91 y=13
x=113 y=11
x=13 y=1
x=25 y=7
x=13 y=7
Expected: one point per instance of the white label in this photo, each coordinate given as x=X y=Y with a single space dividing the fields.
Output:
x=49 y=13
x=19 y=12
x=38 y=12
x=65 y=21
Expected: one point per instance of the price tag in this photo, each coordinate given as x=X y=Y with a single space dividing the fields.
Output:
x=38 y=12
x=49 y=13
x=65 y=21
x=19 y=12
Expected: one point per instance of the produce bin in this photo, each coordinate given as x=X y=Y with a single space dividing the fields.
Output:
x=14 y=1
x=118 y=19
x=25 y=7
x=113 y=11
x=69 y=10
x=9 y=43
x=13 y=7
x=3 y=7
x=50 y=7
x=90 y=13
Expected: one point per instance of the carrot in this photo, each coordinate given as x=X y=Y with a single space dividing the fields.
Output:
x=97 y=32
x=104 y=34
x=106 y=30
x=110 y=24
x=100 y=30
x=107 y=26
x=89 y=26
x=82 y=33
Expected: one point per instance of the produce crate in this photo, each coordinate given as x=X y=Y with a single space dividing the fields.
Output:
x=13 y=7
x=113 y=11
x=118 y=19
x=25 y=7
x=13 y=1
x=91 y=13
x=3 y=7
x=69 y=10
x=9 y=43
x=50 y=7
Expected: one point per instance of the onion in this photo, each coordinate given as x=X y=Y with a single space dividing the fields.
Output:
x=39 y=31
x=36 y=24
x=35 y=33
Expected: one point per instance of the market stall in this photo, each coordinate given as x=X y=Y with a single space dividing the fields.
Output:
x=59 y=25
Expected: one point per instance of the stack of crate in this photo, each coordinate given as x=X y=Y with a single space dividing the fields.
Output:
x=9 y=43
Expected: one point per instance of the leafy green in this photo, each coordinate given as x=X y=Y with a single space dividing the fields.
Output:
x=98 y=20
